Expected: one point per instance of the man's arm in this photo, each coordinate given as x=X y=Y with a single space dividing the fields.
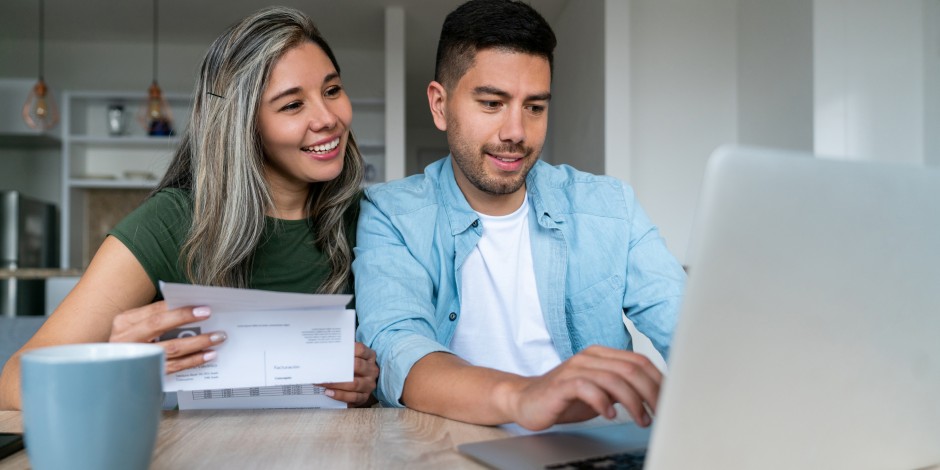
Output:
x=585 y=386
x=655 y=279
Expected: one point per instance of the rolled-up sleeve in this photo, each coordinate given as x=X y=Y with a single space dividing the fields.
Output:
x=394 y=300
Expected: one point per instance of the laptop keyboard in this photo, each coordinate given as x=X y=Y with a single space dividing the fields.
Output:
x=624 y=461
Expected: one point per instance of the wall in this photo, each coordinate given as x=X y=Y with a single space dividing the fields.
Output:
x=31 y=171
x=684 y=95
x=576 y=116
x=775 y=73
x=932 y=81
x=869 y=79
x=618 y=125
x=128 y=66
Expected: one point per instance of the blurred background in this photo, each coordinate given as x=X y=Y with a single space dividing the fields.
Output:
x=643 y=90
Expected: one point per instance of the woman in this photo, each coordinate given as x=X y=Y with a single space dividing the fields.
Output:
x=262 y=193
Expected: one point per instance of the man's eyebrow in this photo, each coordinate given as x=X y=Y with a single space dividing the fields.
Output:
x=489 y=90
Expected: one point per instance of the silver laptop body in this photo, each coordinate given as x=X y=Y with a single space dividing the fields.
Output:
x=810 y=328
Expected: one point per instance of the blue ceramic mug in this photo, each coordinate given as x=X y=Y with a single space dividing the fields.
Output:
x=92 y=406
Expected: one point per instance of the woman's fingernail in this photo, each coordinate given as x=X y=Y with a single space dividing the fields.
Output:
x=218 y=337
x=329 y=393
x=209 y=356
x=202 y=312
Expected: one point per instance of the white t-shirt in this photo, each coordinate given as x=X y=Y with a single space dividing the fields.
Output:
x=501 y=324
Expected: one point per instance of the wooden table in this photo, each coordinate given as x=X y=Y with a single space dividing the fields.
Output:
x=307 y=438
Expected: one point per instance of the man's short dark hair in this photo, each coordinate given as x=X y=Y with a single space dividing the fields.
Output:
x=489 y=24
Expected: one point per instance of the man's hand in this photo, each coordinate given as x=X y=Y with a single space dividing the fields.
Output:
x=585 y=386
x=147 y=323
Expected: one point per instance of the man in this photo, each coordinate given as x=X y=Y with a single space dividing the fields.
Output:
x=493 y=286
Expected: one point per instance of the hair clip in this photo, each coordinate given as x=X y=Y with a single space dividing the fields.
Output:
x=215 y=95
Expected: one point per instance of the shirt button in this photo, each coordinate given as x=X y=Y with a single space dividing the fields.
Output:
x=453 y=316
x=475 y=223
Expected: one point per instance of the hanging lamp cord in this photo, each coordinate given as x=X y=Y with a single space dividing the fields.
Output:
x=155 y=22
x=41 y=36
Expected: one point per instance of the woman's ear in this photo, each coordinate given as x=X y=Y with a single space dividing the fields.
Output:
x=437 y=99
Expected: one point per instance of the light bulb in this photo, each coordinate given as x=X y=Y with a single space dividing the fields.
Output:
x=40 y=110
x=155 y=117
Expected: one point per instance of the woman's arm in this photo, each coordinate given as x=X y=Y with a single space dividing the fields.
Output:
x=110 y=303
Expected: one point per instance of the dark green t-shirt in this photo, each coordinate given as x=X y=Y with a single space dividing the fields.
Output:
x=287 y=260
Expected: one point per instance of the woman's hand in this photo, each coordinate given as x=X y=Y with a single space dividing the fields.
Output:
x=366 y=374
x=148 y=323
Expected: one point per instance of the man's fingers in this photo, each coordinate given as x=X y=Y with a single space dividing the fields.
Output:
x=627 y=356
x=626 y=394
x=633 y=370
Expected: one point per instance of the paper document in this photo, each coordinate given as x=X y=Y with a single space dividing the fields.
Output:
x=274 y=339
x=280 y=396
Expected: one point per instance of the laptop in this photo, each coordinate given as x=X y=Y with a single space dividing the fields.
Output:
x=810 y=329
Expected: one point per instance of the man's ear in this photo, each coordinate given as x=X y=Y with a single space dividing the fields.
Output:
x=437 y=99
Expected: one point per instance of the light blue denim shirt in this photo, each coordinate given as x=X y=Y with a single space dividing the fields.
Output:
x=596 y=256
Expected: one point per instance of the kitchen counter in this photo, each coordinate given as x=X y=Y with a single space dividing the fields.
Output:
x=38 y=273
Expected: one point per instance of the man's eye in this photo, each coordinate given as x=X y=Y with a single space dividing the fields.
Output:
x=537 y=109
x=490 y=104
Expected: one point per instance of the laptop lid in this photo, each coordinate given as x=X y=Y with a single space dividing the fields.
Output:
x=810 y=328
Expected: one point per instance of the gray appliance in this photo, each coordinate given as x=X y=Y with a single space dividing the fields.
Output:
x=28 y=239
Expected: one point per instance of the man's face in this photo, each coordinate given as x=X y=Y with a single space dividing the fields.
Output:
x=496 y=118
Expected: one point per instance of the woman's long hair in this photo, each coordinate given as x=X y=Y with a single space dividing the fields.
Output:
x=221 y=159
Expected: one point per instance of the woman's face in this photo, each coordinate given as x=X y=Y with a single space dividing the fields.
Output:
x=304 y=119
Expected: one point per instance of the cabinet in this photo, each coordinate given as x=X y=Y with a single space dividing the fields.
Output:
x=98 y=165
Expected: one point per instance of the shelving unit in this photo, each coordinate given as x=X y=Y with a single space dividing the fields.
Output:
x=93 y=159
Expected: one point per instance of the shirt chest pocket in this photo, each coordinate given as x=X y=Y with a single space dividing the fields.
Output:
x=606 y=294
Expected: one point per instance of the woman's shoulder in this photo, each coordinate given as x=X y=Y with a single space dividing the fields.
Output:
x=172 y=196
x=169 y=205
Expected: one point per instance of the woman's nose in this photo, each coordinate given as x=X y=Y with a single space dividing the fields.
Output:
x=322 y=118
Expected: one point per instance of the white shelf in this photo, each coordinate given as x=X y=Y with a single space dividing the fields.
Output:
x=95 y=183
x=141 y=140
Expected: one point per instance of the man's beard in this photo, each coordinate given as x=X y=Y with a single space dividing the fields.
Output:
x=472 y=163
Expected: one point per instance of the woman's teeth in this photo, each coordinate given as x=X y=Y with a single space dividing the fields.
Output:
x=323 y=148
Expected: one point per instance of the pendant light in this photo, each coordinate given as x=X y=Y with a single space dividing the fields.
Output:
x=155 y=116
x=40 y=110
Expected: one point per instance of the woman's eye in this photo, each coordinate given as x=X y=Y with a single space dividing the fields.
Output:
x=335 y=90
x=291 y=106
